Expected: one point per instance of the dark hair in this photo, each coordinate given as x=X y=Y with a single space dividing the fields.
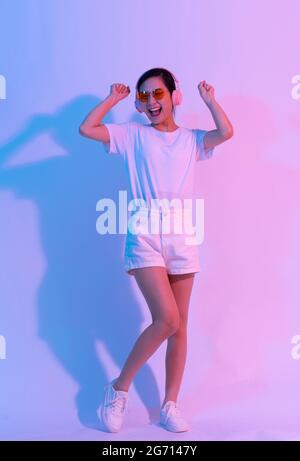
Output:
x=166 y=76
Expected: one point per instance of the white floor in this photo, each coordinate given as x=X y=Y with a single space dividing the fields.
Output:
x=214 y=427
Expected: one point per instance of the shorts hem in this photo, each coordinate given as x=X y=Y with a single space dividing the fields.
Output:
x=185 y=271
x=158 y=264
x=141 y=265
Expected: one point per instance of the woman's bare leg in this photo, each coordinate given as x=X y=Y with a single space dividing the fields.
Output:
x=181 y=286
x=155 y=286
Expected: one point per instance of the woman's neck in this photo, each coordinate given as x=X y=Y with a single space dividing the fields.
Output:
x=165 y=126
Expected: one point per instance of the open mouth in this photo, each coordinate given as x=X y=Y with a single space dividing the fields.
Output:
x=156 y=112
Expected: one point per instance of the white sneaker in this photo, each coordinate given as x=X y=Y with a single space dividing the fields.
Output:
x=171 y=418
x=113 y=408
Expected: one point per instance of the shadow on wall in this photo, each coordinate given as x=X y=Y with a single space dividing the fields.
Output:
x=85 y=296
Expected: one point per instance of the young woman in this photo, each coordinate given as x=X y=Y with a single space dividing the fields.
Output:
x=160 y=161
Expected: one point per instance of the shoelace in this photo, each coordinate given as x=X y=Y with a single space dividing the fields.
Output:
x=173 y=410
x=118 y=405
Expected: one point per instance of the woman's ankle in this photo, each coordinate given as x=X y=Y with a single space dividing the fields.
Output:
x=167 y=400
x=119 y=386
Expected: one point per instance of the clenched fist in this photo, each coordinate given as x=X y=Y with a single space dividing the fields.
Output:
x=119 y=91
x=206 y=91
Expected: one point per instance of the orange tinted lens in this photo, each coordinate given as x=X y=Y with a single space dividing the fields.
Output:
x=159 y=94
x=143 y=97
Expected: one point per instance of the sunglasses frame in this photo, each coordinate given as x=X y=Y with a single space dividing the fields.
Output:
x=163 y=92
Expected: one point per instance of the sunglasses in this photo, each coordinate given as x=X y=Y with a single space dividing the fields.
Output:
x=158 y=94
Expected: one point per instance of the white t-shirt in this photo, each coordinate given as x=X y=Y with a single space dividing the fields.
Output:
x=159 y=164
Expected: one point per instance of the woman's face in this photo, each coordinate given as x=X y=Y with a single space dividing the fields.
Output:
x=164 y=104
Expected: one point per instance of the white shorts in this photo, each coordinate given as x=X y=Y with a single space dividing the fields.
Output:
x=160 y=245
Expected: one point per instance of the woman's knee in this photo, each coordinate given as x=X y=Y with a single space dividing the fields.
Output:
x=169 y=325
x=181 y=332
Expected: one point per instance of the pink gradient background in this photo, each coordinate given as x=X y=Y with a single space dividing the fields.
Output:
x=69 y=312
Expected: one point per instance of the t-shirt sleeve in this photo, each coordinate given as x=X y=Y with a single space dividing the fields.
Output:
x=201 y=152
x=119 y=135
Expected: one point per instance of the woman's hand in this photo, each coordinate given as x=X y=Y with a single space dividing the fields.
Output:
x=119 y=91
x=207 y=92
